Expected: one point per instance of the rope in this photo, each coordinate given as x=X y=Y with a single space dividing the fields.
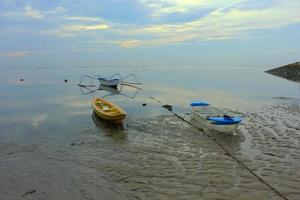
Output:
x=227 y=152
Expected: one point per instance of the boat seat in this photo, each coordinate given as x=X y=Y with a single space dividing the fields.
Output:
x=106 y=108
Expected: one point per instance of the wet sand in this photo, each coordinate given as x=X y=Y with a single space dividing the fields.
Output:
x=34 y=172
x=160 y=157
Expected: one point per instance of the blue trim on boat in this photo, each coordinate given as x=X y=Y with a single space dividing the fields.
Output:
x=199 y=103
x=225 y=120
x=109 y=79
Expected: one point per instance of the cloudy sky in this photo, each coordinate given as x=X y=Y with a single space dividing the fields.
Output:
x=36 y=33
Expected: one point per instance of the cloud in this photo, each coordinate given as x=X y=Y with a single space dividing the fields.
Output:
x=83 y=18
x=56 y=10
x=162 y=7
x=222 y=23
x=152 y=42
x=75 y=24
x=82 y=27
x=30 y=12
x=14 y=53
x=75 y=29
x=223 y=19
x=71 y=30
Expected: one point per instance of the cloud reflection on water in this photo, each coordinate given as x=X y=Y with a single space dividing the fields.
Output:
x=179 y=96
x=34 y=119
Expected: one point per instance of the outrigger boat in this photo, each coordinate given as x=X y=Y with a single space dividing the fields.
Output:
x=217 y=122
x=108 y=111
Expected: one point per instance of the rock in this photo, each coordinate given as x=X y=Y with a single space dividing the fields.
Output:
x=290 y=72
x=168 y=107
x=28 y=192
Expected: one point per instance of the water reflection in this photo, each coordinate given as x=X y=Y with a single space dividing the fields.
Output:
x=115 y=131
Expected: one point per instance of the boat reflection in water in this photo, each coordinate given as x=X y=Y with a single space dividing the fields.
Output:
x=124 y=90
x=116 y=131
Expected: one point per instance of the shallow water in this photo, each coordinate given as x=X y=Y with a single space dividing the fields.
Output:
x=53 y=147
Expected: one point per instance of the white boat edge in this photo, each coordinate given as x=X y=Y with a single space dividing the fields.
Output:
x=208 y=124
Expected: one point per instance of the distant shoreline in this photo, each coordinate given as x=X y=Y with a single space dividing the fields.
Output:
x=290 y=71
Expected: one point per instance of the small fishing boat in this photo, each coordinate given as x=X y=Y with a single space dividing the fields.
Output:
x=111 y=82
x=108 y=111
x=217 y=122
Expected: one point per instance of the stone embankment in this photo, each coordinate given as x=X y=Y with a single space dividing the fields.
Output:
x=290 y=71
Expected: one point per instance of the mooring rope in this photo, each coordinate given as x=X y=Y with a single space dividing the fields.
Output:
x=227 y=152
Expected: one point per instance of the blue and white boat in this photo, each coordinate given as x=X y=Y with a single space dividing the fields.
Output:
x=112 y=81
x=209 y=119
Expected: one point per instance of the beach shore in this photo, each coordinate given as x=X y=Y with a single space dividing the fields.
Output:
x=161 y=158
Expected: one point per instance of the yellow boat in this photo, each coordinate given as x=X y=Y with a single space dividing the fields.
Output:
x=108 y=111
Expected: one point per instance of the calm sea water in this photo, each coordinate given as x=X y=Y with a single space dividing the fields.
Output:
x=43 y=100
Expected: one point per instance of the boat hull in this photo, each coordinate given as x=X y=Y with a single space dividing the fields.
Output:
x=109 y=82
x=202 y=121
x=108 y=111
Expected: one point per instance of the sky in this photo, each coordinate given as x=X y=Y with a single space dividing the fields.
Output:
x=35 y=33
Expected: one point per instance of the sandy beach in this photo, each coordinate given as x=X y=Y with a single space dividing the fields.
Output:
x=160 y=158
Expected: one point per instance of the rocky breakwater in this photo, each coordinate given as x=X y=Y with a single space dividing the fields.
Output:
x=290 y=72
